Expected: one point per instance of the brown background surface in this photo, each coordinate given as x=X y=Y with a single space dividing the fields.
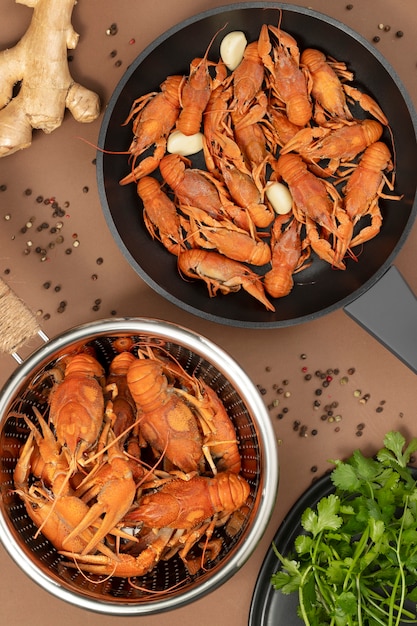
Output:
x=60 y=166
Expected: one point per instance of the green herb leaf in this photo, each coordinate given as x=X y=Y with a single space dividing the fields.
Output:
x=356 y=559
x=326 y=517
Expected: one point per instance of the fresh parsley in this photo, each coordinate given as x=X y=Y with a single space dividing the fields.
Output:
x=355 y=564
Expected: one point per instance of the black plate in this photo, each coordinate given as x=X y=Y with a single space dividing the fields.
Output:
x=270 y=607
x=320 y=289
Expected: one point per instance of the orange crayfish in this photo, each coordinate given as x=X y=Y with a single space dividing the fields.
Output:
x=364 y=189
x=77 y=405
x=58 y=518
x=166 y=421
x=340 y=144
x=233 y=242
x=197 y=188
x=154 y=117
x=160 y=214
x=195 y=92
x=246 y=194
x=192 y=506
x=326 y=86
x=317 y=204
x=248 y=78
x=112 y=488
x=289 y=254
x=121 y=411
x=287 y=81
x=222 y=274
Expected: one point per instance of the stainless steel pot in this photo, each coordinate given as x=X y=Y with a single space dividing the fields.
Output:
x=116 y=596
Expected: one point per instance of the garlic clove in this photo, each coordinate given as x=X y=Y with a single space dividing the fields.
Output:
x=232 y=49
x=279 y=196
x=185 y=145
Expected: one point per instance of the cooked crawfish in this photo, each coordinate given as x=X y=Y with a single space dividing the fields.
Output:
x=288 y=256
x=174 y=504
x=222 y=274
x=195 y=93
x=77 y=405
x=231 y=241
x=251 y=140
x=246 y=194
x=195 y=505
x=220 y=445
x=338 y=145
x=287 y=80
x=113 y=489
x=122 y=565
x=216 y=133
x=42 y=456
x=364 y=189
x=155 y=115
x=121 y=412
x=282 y=130
x=58 y=518
x=330 y=92
x=121 y=407
x=248 y=78
x=326 y=86
x=160 y=214
x=317 y=203
x=166 y=421
x=197 y=188
x=192 y=187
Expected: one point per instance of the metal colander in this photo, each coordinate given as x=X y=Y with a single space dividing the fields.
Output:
x=256 y=440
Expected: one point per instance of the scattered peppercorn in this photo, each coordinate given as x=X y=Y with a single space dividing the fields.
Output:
x=112 y=30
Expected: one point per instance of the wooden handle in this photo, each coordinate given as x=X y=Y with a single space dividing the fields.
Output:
x=18 y=323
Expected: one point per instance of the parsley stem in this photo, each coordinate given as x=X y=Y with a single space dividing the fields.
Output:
x=301 y=595
x=359 y=595
x=400 y=575
x=358 y=553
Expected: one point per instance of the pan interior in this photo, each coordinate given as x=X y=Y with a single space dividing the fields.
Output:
x=320 y=288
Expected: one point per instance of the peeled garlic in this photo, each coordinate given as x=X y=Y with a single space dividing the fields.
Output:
x=279 y=196
x=232 y=48
x=178 y=143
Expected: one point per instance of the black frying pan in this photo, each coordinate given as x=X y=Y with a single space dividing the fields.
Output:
x=319 y=289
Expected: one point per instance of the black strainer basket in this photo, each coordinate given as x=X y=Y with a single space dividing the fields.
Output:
x=256 y=440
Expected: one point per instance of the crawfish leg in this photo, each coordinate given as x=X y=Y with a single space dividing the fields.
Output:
x=372 y=230
x=123 y=565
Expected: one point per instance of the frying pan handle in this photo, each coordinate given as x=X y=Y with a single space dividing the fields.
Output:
x=388 y=311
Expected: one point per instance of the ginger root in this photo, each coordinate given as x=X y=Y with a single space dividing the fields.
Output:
x=36 y=69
